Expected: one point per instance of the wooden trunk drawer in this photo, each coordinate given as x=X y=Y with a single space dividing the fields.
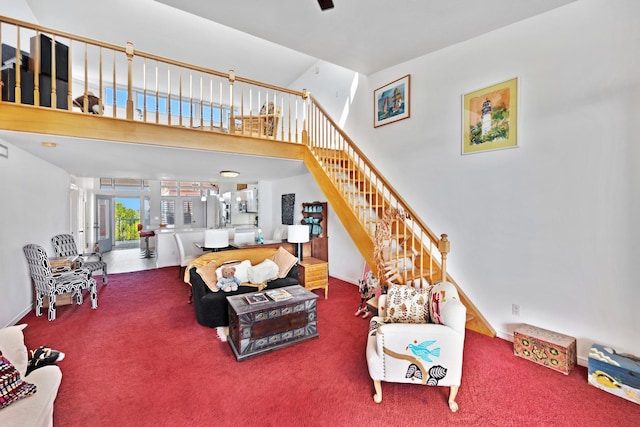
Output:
x=547 y=348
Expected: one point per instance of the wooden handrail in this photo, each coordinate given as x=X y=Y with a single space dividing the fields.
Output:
x=407 y=208
x=40 y=28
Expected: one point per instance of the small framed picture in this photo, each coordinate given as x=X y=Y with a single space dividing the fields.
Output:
x=256 y=298
x=391 y=102
x=490 y=118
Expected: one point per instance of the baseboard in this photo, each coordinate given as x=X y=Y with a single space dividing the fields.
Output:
x=345 y=279
x=23 y=313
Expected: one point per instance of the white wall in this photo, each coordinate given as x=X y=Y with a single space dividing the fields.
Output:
x=17 y=9
x=335 y=89
x=551 y=225
x=345 y=262
x=35 y=207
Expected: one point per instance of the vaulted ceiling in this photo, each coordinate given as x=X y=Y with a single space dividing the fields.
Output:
x=270 y=41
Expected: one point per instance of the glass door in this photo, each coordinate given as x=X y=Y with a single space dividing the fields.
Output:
x=103 y=223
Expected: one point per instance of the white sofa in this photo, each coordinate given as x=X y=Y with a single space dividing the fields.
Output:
x=37 y=409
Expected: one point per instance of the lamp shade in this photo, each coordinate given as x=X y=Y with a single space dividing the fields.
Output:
x=298 y=234
x=216 y=238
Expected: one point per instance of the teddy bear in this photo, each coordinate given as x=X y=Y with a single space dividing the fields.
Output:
x=228 y=282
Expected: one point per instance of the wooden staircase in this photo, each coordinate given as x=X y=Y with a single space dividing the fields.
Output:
x=386 y=231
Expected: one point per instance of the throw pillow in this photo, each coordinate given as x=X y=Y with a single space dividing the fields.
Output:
x=285 y=261
x=43 y=356
x=208 y=274
x=406 y=304
x=263 y=272
x=12 y=386
x=241 y=270
x=437 y=301
x=12 y=346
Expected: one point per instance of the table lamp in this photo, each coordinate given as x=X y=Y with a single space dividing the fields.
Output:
x=216 y=239
x=298 y=234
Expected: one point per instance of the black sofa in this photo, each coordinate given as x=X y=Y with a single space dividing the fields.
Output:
x=212 y=307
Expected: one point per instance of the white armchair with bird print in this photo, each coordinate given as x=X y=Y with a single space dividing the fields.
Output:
x=418 y=338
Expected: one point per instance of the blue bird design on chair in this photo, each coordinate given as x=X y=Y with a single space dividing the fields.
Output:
x=423 y=352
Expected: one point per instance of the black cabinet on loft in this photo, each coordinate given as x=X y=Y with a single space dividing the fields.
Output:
x=26 y=89
x=62 y=57
x=27 y=66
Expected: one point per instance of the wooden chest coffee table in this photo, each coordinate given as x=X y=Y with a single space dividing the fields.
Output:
x=266 y=326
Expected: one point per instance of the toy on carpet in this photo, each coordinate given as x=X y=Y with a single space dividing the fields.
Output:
x=367 y=291
x=43 y=356
x=228 y=282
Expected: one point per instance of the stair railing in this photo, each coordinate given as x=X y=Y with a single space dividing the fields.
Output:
x=412 y=246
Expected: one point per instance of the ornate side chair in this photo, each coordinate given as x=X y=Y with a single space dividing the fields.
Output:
x=65 y=245
x=51 y=284
x=418 y=338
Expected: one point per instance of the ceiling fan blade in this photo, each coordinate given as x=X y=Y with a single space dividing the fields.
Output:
x=325 y=4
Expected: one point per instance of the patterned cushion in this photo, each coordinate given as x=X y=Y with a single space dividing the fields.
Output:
x=12 y=386
x=406 y=304
x=437 y=301
x=285 y=261
x=13 y=348
x=265 y=271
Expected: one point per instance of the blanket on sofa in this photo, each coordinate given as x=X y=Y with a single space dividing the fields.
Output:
x=211 y=307
x=255 y=255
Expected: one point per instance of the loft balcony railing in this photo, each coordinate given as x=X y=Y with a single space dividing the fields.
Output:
x=49 y=68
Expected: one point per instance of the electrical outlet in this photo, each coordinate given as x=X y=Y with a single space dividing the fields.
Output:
x=515 y=309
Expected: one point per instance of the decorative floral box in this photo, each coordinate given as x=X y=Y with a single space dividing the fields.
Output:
x=547 y=348
x=615 y=373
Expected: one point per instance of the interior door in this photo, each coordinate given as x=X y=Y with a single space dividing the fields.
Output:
x=103 y=226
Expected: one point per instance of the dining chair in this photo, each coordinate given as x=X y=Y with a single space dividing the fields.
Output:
x=65 y=245
x=49 y=283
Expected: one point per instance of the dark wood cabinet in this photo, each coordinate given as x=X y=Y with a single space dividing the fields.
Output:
x=46 y=57
x=315 y=216
x=320 y=248
x=26 y=89
x=9 y=86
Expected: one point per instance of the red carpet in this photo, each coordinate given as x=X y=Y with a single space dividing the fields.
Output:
x=141 y=359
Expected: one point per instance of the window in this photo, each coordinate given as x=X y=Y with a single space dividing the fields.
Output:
x=151 y=106
x=167 y=211
x=124 y=184
x=187 y=210
x=121 y=97
x=190 y=189
x=168 y=188
x=214 y=114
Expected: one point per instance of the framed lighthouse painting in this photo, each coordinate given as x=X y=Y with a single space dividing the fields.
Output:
x=391 y=102
x=490 y=118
